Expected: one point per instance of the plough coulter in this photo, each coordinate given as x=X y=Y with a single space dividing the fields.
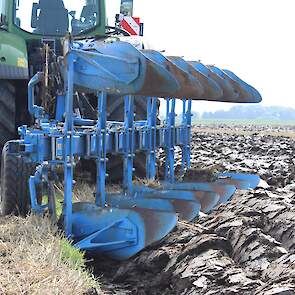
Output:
x=120 y=225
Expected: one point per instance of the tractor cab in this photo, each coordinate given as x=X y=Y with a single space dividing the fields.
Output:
x=56 y=17
x=41 y=22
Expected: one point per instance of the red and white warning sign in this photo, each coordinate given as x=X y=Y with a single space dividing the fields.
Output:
x=131 y=24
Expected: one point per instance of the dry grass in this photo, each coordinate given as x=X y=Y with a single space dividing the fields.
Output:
x=85 y=192
x=147 y=182
x=34 y=259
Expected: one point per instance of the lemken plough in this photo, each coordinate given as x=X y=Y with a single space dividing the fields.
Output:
x=122 y=224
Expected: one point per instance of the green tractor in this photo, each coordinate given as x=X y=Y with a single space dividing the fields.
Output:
x=31 y=33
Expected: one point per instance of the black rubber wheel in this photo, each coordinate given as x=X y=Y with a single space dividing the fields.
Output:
x=7 y=113
x=15 y=173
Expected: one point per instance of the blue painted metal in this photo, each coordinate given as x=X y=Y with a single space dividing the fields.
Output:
x=33 y=109
x=224 y=192
x=204 y=198
x=188 y=86
x=227 y=93
x=244 y=93
x=140 y=201
x=33 y=182
x=183 y=134
x=211 y=89
x=119 y=233
x=170 y=139
x=207 y=198
x=253 y=92
x=100 y=198
x=121 y=69
x=120 y=225
x=186 y=203
x=152 y=138
x=128 y=143
x=68 y=155
x=252 y=180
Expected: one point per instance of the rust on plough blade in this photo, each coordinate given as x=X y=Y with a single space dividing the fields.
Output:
x=244 y=94
x=122 y=224
x=228 y=93
x=122 y=69
x=224 y=191
x=212 y=90
x=252 y=90
x=189 y=86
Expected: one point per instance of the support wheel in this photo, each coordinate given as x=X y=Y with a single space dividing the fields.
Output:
x=15 y=173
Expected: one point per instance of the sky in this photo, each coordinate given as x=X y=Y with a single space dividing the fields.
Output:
x=253 y=38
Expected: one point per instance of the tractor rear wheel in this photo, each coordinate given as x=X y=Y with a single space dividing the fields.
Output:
x=14 y=195
x=7 y=113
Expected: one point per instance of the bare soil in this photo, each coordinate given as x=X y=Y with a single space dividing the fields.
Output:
x=246 y=246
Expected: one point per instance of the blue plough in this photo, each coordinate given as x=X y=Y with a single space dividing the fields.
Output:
x=122 y=224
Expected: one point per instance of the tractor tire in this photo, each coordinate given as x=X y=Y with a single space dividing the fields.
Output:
x=15 y=173
x=116 y=113
x=7 y=113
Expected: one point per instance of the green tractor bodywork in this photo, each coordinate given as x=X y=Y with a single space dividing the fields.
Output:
x=13 y=40
x=13 y=56
x=20 y=47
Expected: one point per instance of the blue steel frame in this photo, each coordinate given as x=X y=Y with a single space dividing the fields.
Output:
x=123 y=224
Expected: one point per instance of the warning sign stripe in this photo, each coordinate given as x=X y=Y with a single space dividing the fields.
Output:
x=131 y=25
